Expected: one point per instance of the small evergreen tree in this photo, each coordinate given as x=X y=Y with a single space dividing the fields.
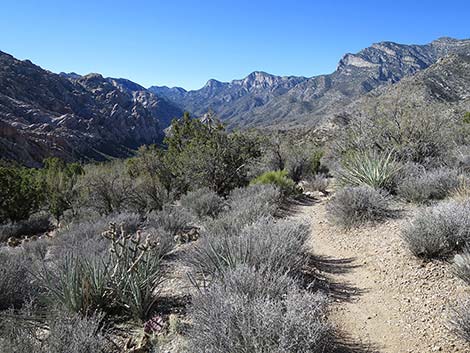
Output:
x=20 y=193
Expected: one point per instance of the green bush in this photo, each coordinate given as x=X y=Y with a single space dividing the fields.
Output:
x=21 y=193
x=372 y=169
x=279 y=179
x=60 y=185
x=202 y=154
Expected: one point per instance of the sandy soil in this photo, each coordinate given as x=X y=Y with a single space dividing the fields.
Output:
x=384 y=299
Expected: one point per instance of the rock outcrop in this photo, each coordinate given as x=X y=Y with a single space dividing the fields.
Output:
x=74 y=117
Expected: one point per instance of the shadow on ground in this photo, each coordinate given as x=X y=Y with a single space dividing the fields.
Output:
x=343 y=344
x=319 y=276
x=291 y=206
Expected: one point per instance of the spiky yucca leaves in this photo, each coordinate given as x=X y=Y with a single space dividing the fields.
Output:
x=136 y=272
x=78 y=283
x=126 y=281
x=373 y=169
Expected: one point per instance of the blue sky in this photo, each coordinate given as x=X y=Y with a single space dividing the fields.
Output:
x=185 y=43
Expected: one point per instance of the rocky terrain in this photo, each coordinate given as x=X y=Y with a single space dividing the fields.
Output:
x=74 y=117
x=442 y=89
x=262 y=99
x=94 y=118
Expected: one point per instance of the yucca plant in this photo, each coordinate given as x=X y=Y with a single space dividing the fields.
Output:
x=127 y=279
x=377 y=170
x=136 y=271
x=79 y=284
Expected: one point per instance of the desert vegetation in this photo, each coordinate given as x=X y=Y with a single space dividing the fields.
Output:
x=94 y=246
x=86 y=250
x=385 y=165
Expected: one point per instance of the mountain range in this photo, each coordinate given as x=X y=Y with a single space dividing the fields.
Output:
x=91 y=117
x=266 y=100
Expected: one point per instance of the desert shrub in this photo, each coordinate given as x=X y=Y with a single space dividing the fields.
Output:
x=279 y=179
x=461 y=158
x=461 y=320
x=21 y=193
x=353 y=206
x=318 y=182
x=65 y=333
x=36 y=224
x=428 y=185
x=129 y=221
x=438 y=230
x=226 y=320
x=16 y=284
x=249 y=282
x=203 y=202
x=461 y=265
x=416 y=135
x=107 y=187
x=266 y=244
x=152 y=176
x=376 y=170
x=81 y=238
x=172 y=219
x=246 y=205
x=302 y=161
x=59 y=181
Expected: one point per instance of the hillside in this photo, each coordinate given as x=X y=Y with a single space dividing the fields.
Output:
x=442 y=89
x=72 y=116
x=266 y=100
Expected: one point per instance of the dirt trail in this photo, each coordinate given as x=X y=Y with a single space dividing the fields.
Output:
x=385 y=300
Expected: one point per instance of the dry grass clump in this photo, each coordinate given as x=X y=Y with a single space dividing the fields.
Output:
x=461 y=320
x=429 y=185
x=439 y=230
x=266 y=244
x=353 y=206
x=203 y=203
x=249 y=312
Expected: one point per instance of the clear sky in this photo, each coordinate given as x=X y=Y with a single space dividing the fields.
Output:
x=185 y=43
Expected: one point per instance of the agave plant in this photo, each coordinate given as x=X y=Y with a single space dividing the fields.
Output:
x=369 y=168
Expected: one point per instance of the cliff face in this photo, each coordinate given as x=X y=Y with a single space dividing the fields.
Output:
x=267 y=100
x=74 y=117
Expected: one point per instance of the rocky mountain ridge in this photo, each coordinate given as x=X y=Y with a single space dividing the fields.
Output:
x=74 y=117
x=264 y=100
